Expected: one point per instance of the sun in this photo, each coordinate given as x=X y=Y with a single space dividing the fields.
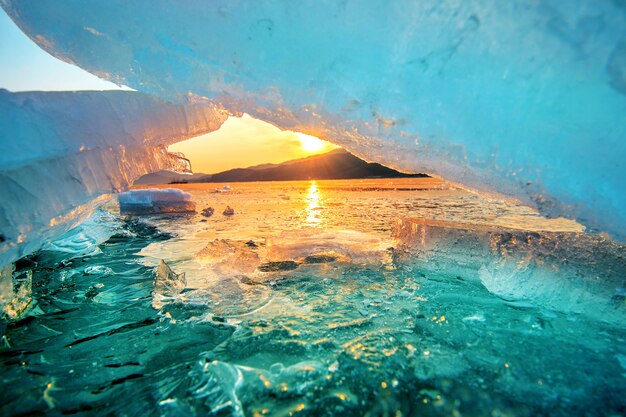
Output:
x=310 y=143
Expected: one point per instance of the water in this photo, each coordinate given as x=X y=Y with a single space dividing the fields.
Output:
x=296 y=305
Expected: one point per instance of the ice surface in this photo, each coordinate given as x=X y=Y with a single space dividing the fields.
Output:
x=61 y=152
x=409 y=339
x=155 y=200
x=525 y=99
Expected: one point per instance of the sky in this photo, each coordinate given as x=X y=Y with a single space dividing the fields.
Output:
x=26 y=67
x=245 y=141
x=241 y=142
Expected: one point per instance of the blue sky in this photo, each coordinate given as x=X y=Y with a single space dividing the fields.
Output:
x=24 y=66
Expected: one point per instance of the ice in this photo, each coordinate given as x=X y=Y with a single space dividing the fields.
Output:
x=168 y=282
x=155 y=200
x=15 y=292
x=229 y=256
x=565 y=271
x=6 y=284
x=85 y=239
x=313 y=245
x=249 y=263
x=222 y=387
x=207 y=212
x=370 y=341
x=64 y=152
x=523 y=99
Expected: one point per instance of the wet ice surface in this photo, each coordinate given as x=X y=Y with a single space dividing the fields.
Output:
x=320 y=318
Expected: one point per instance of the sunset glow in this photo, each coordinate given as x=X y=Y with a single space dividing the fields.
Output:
x=245 y=141
x=311 y=143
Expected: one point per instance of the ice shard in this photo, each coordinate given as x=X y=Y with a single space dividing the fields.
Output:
x=168 y=282
x=61 y=152
x=527 y=99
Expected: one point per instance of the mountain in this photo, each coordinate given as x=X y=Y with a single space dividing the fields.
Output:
x=337 y=164
x=169 y=177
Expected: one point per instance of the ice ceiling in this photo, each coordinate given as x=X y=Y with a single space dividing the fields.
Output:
x=527 y=98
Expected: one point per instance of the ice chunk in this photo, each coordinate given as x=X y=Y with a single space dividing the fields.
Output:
x=85 y=239
x=6 y=284
x=155 y=200
x=524 y=99
x=15 y=292
x=312 y=245
x=44 y=125
x=223 y=387
x=566 y=271
x=62 y=151
x=167 y=282
x=208 y=212
x=229 y=256
x=217 y=388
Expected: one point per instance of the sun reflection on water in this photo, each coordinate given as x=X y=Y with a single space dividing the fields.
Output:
x=313 y=209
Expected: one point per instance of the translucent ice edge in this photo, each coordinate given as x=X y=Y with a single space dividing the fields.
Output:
x=63 y=153
x=523 y=99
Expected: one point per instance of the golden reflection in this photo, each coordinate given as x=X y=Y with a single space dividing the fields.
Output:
x=313 y=209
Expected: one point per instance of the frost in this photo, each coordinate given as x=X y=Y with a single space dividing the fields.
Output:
x=154 y=200
x=523 y=99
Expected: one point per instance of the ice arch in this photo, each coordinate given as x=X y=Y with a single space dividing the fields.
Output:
x=525 y=98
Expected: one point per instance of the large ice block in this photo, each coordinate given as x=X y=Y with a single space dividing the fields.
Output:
x=527 y=99
x=566 y=271
x=64 y=152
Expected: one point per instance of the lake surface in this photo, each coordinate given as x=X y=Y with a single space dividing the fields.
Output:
x=301 y=303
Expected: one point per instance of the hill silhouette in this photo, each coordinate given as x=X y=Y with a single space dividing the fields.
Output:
x=334 y=165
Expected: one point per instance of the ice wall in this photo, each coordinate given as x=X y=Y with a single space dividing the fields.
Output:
x=525 y=98
x=61 y=152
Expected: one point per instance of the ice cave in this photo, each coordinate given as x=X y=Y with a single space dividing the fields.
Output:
x=494 y=285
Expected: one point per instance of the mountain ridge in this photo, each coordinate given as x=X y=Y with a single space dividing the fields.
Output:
x=336 y=164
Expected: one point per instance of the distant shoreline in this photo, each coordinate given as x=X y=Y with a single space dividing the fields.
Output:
x=300 y=179
x=335 y=165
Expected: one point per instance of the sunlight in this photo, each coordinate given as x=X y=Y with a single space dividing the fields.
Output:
x=313 y=198
x=244 y=141
x=310 y=143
